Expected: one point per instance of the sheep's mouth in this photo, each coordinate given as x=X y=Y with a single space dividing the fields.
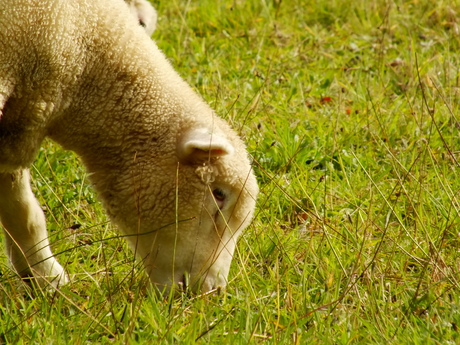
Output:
x=184 y=284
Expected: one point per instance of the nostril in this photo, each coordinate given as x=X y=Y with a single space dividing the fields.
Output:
x=186 y=280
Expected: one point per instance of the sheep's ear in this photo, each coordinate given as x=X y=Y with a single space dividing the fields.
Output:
x=200 y=145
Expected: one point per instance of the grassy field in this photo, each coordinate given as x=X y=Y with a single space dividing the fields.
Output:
x=350 y=110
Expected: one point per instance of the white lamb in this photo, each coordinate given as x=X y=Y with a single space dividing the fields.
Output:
x=145 y=13
x=171 y=174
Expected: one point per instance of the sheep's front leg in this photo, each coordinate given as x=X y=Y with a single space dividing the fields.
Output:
x=24 y=225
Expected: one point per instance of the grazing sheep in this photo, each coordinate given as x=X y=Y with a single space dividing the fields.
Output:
x=174 y=177
x=145 y=13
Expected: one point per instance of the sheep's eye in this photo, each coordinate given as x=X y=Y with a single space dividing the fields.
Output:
x=218 y=194
x=141 y=23
x=219 y=197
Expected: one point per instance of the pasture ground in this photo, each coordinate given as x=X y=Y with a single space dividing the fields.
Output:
x=351 y=112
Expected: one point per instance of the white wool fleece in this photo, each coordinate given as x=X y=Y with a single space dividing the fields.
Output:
x=166 y=168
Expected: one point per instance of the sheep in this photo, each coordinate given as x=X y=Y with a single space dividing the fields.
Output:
x=143 y=11
x=174 y=178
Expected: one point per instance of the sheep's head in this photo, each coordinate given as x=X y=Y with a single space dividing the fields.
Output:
x=203 y=199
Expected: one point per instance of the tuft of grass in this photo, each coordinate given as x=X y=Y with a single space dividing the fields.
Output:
x=349 y=110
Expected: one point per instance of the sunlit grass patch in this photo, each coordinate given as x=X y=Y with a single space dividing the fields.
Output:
x=350 y=112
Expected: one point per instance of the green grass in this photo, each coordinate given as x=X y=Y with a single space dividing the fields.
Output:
x=350 y=112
